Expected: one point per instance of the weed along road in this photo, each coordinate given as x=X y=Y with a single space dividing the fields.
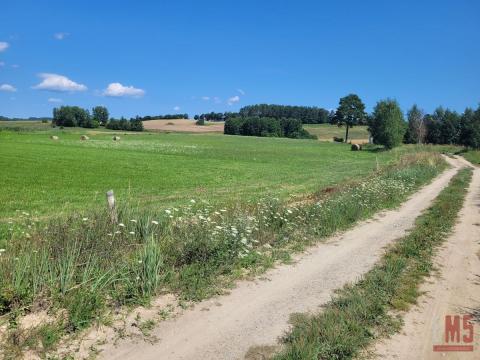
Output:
x=256 y=314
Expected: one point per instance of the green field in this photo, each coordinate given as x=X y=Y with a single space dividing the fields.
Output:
x=327 y=132
x=47 y=177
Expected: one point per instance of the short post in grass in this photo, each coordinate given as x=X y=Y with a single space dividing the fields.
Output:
x=111 y=206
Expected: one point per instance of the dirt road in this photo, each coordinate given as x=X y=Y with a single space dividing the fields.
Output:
x=457 y=289
x=257 y=313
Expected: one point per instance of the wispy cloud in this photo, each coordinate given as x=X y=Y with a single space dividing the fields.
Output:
x=241 y=91
x=119 y=90
x=7 y=88
x=15 y=66
x=55 y=82
x=217 y=100
x=4 y=45
x=2 y=63
x=232 y=100
x=60 y=35
x=54 y=100
x=176 y=108
x=206 y=98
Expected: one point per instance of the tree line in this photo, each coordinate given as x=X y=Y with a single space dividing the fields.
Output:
x=444 y=126
x=165 y=117
x=75 y=116
x=266 y=127
x=306 y=114
x=388 y=127
x=32 y=118
x=213 y=116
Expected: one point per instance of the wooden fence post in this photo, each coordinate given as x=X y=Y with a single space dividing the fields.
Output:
x=111 y=206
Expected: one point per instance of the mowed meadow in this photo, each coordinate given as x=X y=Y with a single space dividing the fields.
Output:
x=47 y=177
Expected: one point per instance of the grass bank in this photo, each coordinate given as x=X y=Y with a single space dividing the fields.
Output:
x=359 y=313
x=473 y=156
x=81 y=266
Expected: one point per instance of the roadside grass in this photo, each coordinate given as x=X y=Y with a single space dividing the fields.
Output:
x=82 y=265
x=361 y=312
x=157 y=170
x=472 y=155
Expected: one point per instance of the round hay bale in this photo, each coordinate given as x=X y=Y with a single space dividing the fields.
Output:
x=54 y=137
x=84 y=137
x=116 y=138
x=356 y=147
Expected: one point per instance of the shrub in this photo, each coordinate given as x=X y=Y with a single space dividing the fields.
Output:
x=337 y=139
x=387 y=125
x=200 y=122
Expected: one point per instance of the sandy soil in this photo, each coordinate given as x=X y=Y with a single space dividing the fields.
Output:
x=257 y=313
x=182 y=125
x=455 y=292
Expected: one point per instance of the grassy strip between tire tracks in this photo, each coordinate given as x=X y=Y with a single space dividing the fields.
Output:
x=361 y=312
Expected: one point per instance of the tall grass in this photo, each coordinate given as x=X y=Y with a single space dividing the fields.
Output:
x=83 y=264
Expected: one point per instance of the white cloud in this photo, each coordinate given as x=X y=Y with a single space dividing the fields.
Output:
x=2 y=63
x=118 y=90
x=54 y=100
x=241 y=91
x=232 y=100
x=4 y=45
x=176 y=108
x=7 y=88
x=55 y=82
x=217 y=100
x=206 y=98
x=15 y=66
x=60 y=35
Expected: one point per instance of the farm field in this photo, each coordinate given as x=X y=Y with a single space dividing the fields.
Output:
x=183 y=125
x=24 y=125
x=48 y=177
x=326 y=132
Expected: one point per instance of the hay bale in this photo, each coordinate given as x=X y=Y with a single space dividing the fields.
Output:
x=53 y=137
x=356 y=147
x=84 y=137
x=116 y=138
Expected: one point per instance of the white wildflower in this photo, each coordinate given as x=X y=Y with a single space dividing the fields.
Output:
x=168 y=212
x=133 y=221
x=132 y=232
x=121 y=225
x=85 y=219
x=192 y=201
x=154 y=222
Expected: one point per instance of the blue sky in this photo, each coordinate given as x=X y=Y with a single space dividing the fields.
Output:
x=157 y=57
